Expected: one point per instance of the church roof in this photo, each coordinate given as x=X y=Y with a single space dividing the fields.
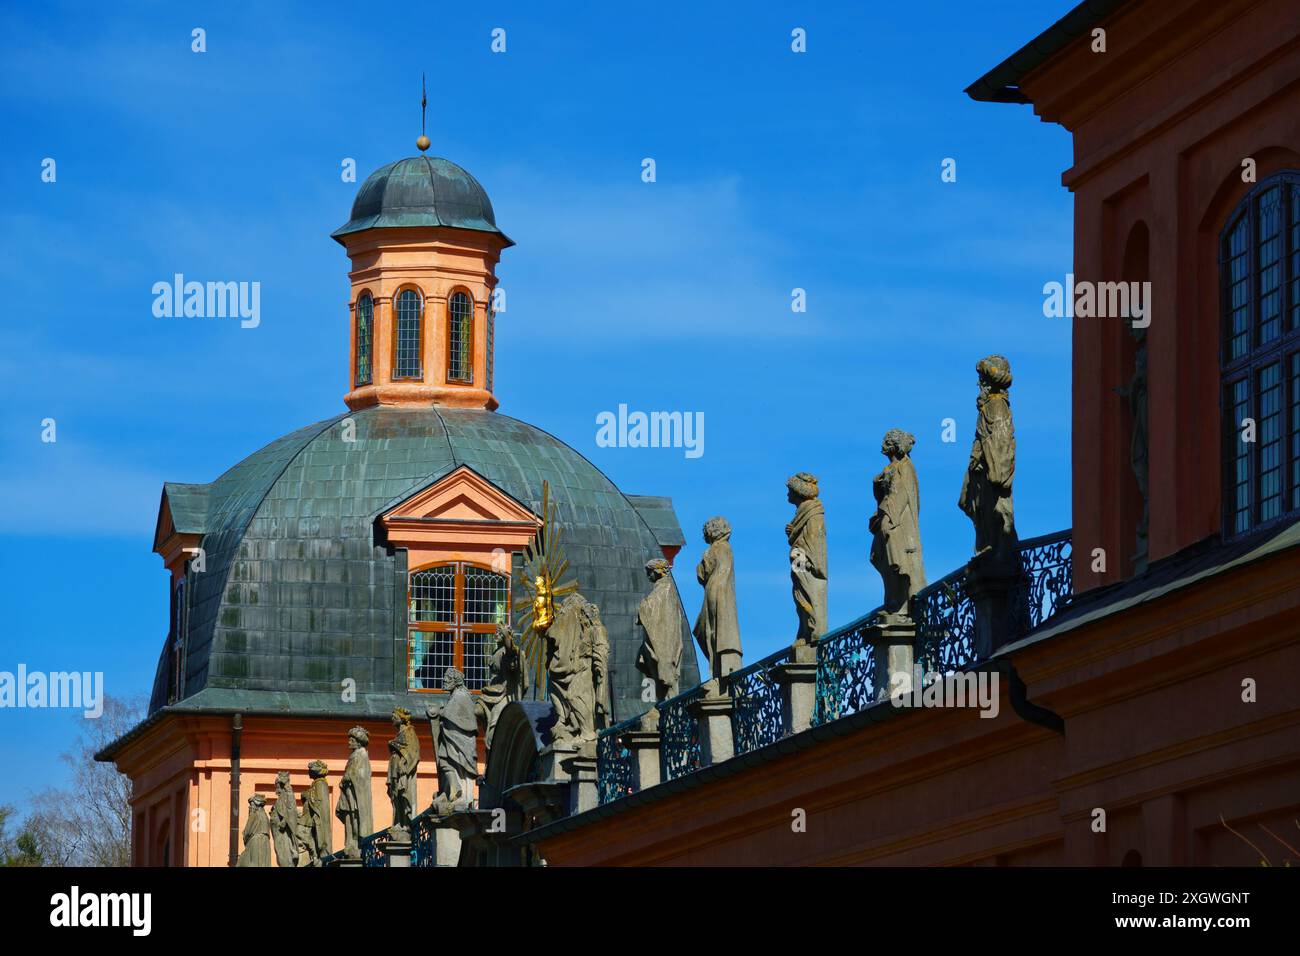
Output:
x=299 y=592
x=421 y=191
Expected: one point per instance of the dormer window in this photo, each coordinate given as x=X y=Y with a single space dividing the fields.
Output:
x=460 y=339
x=1259 y=268
x=406 y=336
x=365 y=319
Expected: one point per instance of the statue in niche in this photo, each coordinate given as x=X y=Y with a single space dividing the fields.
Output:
x=454 y=726
x=895 y=527
x=284 y=821
x=577 y=662
x=660 y=657
x=717 y=629
x=316 y=833
x=986 y=490
x=257 y=834
x=807 y=537
x=507 y=681
x=354 y=806
x=403 y=765
x=1136 y=393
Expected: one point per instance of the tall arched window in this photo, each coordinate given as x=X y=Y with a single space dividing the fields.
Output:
x=453 y=614
x=1259 y=268
x=406 y=336
x=460 y=338
x=365 y=336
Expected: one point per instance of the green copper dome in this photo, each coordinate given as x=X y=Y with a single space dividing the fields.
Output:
x=421 y=191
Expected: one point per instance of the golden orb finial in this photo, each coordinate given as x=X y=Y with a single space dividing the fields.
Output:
x=422 y=142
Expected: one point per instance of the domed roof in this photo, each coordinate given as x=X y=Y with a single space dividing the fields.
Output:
x=421 y=191
x=299 y=593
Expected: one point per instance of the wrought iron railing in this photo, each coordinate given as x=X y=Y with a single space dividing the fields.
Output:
x=756 y=704
x=1047 y=580
x=372 y=851
x=679 y=735
x=846 y=671
x=614 y=761
x=424 y=851
x=945 y=625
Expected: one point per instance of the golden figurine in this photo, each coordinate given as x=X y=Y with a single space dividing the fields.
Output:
x=546 y=568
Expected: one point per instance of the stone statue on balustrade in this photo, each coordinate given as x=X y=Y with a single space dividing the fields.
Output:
x=315 y=829
x=403 y=766
x=807 y=537
x=577 y=669
x=895 y=527
x=660 y=657
x=257 y=834
x=354 y=806
x=1136 y=395
x=717 y=629
x=454 y=726
x=507 y=681
x=986 y=491
x=284 y=821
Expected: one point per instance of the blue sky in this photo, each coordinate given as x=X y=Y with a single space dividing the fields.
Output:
x=775 y=170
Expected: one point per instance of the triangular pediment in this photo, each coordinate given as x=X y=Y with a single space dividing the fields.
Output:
x=462 y=496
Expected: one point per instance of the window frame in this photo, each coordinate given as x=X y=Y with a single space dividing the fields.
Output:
x=369 y=378
x=457 y=627
x=419 y=333
x=1282 y=352
x=469 y=337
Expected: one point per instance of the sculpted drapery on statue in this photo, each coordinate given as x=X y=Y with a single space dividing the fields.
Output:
x=454 y=726
x=577 y=669
x=507 y=680
x=895 y=528
x=807 y=537
x=403 y=766
x=660 y=657
x=257 y=834
x=315 y=828
x=986 y=491
x=284 y=821
x=717 y=629
x=354 y=806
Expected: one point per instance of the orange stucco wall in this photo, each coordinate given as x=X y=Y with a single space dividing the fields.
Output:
x=181 y=769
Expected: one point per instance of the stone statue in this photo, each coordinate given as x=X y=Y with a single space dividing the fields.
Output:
x=1136 y=393
x=257 y=834
x=660 y=657
x=284 y=822
x=807 y=537
x=403 y=765
x=507 y=681
x=986 y=491
x=577 y=669
x=315 y=829
x=354 y=795
x=717 y=630
x=895 y=527
x=455 y=742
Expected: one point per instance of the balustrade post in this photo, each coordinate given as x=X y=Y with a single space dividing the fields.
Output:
x=798 y=680
x=994 y=593
x=892 y=641
x=584 y=793
x=713 y=711
x=643 y=743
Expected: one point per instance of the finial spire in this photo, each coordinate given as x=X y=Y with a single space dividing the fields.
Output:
x=423 y=141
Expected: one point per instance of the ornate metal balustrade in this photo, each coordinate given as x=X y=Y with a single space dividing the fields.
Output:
x=614 y=762
x=679 y=735
x=846 y=671
x=372 y=853
x=756 y=704
x=1047 y=581
x=423 y=849
x=945 y=625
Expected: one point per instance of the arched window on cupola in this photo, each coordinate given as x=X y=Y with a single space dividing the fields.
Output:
x=453 y=612
x=406 y=336
x=1259 y=268
x=460 y=338
x=365 y=319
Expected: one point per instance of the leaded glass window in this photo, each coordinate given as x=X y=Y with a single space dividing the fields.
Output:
x=491 y=336
x=365 y=337
x=453 y=612
x=1259 y=267
x=406 y=346
x=460 y=350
